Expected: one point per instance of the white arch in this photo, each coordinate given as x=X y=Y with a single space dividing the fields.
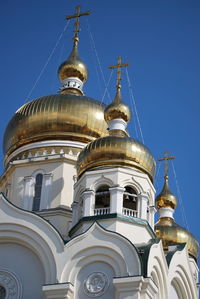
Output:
x=180 y=272
x=179 y=288
x=157 y=264
x=38 y=171
x=33 y=232
x=101 y=181
x=138 y=188
x=107 y=247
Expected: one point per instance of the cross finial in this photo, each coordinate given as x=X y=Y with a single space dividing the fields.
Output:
x=77 y=15
x=166 y=165
x=118 y=66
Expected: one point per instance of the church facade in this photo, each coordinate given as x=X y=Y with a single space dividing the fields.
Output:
x=77 y=203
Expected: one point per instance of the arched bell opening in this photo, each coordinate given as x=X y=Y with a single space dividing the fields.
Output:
x=102 y=200
x=130 y=202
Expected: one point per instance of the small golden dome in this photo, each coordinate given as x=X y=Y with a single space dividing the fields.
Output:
x=166 y=199
x=73 y=66
x=171 y=234
x=117 y=109
x=116 y=151
x=60 y=117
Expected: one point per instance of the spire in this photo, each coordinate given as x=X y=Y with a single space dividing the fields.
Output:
x=73 y=72
x=166 y=200
x=119 y=65
x=166 y=228
x=117 y=114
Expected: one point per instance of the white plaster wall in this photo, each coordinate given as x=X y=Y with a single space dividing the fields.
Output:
x=61 y=223
x=27 y=267
x=136 y=233
x=62 y=181
x=117 y=176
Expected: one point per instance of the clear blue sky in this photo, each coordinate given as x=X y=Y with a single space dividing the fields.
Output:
x=160 y=39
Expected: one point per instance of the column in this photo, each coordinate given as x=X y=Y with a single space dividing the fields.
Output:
x=135 y=287
x=143 y=199
x=29 y=189
x=46 y=191
x=58 y=291
x=152 y=211
x=75 y=212
x=128 y=287
x=88 y=203
x=8 y=189
x=116 y=199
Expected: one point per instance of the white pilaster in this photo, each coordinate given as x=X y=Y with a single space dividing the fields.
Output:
x=135 y=288
x=46 y=191
x=29 y=184
x=143 y=199
x=88 y=203
x=152 y=211
x=75 y=213
x=8 y=190
x=128 y=287
x=116 y=199
x=59 y=291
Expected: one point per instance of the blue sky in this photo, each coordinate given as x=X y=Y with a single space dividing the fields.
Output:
x=160 y=40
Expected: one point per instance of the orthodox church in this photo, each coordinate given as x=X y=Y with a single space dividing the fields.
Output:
x=77 y=203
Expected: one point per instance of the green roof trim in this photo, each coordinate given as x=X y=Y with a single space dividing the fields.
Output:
x=112 y=216
x=143 y=251
x=170 y=254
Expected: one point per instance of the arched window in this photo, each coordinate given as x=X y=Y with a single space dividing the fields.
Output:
x=102 y=200
x=2 y=292
x=130 y=202
x=38 y=191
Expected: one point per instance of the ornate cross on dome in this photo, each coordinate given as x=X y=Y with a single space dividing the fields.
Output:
x=77 y=23
x=118 y=66
x=166 y=158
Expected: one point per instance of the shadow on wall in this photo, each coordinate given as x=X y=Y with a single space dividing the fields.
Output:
x=56 y=190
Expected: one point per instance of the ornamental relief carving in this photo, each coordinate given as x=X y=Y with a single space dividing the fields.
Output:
x=10 y=285
x=96 y=284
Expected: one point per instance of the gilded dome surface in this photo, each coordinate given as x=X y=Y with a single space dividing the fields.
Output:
x=171 y=233
x=117 y=109
x=166 y=198
x=111 y=151
x=59 y=116
x=73 y=66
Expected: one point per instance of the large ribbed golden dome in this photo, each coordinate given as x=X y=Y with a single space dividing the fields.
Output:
x=61 y=117
x=171 y=234
x=166 y=198
x=113 y=151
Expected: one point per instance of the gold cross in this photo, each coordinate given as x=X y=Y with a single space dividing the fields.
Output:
x=77 y=15
x=166 y=158
x=118 y=66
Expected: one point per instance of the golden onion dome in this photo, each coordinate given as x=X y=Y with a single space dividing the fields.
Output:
x=117 y=109
x=116 y=151
x=73 y=66
x=166 y=199
x=60 y=117
x=171 y=234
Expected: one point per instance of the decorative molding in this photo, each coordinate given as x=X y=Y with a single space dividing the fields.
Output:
x=44 y=144
x=96 y=284
x=11 y=283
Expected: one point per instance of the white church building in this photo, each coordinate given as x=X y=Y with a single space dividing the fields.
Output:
x=77 y=203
